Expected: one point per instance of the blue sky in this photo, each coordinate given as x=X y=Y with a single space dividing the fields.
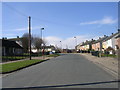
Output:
x=61 y=20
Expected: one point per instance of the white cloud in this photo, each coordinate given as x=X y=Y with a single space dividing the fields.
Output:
x=66 y=43
x=105 y=20
x=21 y=29
x=26 y=28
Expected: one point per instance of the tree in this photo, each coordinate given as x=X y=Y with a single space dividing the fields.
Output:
x=25 y=41
x=37 y=43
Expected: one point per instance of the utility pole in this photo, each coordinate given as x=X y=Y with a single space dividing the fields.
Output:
x=29 y=28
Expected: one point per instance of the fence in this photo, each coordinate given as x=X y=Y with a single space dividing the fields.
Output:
x=21 y=56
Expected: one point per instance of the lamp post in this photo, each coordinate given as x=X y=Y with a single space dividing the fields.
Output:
x=61 y=45
x=75 y=42
x=42 y=42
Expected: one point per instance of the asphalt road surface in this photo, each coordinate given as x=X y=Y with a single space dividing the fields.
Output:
x=65 y=71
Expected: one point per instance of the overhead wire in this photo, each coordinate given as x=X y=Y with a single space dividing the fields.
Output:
x=12 y=8
x=35 y=18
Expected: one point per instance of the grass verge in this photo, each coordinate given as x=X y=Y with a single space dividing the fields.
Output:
x=53 y=55
x=14 y=66
x=109 y=55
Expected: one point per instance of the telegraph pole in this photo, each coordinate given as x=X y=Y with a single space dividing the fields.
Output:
x=29 y=28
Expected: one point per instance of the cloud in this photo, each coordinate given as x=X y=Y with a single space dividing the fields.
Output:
x=21 y=29
x=26 y=28
x=105 y=20
x=52 y=40
x=66 y=43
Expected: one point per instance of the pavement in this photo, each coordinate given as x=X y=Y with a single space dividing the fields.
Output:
x=107 y=63
x=65 y=71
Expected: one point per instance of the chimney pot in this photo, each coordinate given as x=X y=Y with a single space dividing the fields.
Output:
x=118 y=30
x=17 y=36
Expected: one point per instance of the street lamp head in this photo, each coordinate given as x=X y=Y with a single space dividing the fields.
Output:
x=42 y=28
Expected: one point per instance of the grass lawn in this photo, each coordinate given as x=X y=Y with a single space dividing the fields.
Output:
x=109 y=55
x=17 y=65
x=53 y=55
x=13 y=57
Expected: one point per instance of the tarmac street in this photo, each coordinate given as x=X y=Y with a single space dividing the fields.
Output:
x=67 y=71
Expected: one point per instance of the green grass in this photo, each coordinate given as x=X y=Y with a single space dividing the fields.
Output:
x=53 y=55
x=13 y=57
x=109 y=55
x=17 y=65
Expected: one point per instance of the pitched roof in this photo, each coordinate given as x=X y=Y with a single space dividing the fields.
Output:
x=100 y=39
x=12 y=44
x=118 y=36
x=87 y=42
x=15 y=39
x=113 y=35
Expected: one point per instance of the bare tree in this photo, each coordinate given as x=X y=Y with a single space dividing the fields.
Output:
x=37 y=42
x=25 y=41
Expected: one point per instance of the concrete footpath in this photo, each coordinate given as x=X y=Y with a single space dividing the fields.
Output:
x=107 y=63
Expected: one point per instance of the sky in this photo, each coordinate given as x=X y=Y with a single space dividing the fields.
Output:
x=62 y=20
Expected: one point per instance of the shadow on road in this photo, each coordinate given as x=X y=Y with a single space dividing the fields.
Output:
x=67 y=85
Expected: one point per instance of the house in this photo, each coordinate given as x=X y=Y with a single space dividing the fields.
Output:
x=117 y=42
x=109 y=43
x=97 y=45
x=85 y=45
x=17 y=40
x=46 y=49
x=10 y=48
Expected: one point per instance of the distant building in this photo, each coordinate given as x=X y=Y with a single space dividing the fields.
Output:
x=46 y=49
x=10 y=48
x=85 y=45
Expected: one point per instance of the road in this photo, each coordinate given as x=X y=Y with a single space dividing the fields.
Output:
x=67 y=70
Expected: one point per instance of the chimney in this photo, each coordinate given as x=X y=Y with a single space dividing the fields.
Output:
x=92 y=39
x=5 y=38
x=99 y=37
x=104 y=35
x=112 y=33
x=17 y=36
x=118 y=30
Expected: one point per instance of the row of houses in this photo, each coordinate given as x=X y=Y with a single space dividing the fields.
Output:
x=13 y=46
x=106 y=43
